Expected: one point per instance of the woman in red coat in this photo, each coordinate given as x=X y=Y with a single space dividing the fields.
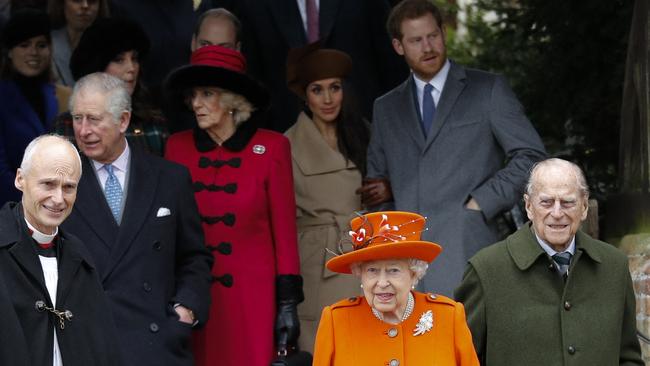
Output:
x=244 y=191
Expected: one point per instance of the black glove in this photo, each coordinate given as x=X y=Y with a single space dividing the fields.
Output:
x=288 y=295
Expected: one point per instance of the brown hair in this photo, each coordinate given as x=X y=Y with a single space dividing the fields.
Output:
x=57 y=16
x=410 y=9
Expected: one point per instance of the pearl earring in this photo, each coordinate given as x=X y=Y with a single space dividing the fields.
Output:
x=361 y=285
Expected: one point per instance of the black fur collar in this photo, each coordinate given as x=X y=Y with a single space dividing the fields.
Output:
x=237 y=142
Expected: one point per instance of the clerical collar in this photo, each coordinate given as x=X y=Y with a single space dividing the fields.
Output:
x=39 y=237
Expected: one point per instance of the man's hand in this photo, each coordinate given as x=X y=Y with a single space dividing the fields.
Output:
x=472 y=205
x=375 y=191
x=185 y=315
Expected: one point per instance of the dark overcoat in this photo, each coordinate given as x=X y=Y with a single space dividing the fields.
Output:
x=153 y=260
x=521 y=312
x=27 y=334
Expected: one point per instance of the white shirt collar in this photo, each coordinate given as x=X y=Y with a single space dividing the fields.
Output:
x=438 y=81
x=121 y=163
x=40 y=237
x=551 y=252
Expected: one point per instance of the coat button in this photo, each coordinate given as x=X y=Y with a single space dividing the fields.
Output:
x=393 y=362
x=567 y=305
x=153 y=327
x=157 y=245
x=432 y=296
x=392 y=332
x=146 y=286
x=571 y=350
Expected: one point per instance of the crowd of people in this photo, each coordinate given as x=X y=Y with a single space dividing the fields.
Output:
x=284 y=191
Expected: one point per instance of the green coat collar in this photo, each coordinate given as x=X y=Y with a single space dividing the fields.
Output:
x=524 y=249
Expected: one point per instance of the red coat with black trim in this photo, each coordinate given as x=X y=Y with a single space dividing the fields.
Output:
x=244 y=191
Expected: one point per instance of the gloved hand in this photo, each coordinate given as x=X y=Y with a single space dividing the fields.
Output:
x=375 y=191
x=287 y=326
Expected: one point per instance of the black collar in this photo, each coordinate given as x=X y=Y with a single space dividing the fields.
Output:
x=237 y=142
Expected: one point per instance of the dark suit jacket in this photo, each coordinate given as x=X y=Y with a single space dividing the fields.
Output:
x=151 y=261
x=272 y=27
x=479 y=124
x=520 y=311
x=26 y=334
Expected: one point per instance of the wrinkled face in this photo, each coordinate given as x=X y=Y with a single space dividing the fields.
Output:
x=80 y=14
x=126 y=67
x=422 y=45
x=204 y=101
x=31 y=57
x=386 y=285
x=556 y=207
x=49 y=186
x=217 y=31
x=324 y=98
x=99 y=136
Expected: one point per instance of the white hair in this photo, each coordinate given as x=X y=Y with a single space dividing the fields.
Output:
x=572 y=168
x=118 y=99
x=417 y=266
x=26 y=163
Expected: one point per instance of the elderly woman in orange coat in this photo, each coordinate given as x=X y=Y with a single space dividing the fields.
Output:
x=391 y=324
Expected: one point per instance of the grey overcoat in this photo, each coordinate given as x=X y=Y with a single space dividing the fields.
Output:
x=480 y=145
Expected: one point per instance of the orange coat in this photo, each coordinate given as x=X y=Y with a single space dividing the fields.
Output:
x=349 y=334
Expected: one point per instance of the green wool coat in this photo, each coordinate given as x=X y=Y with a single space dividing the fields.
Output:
x=522 y=313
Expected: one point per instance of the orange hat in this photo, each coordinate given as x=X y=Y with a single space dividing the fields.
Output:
x=385 y=235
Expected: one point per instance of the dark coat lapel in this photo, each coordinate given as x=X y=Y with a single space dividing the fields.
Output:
x=453 y=88
x=327 y=15
x=407 y=111
x=92 y=205
x=68 y=265
x=288 y=20
x=143 y=183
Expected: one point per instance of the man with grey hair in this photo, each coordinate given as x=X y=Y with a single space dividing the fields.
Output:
x=549 y=294
x=137 y=216
x=47 y=276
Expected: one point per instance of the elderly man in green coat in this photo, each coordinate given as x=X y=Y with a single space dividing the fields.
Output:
x=549 y=294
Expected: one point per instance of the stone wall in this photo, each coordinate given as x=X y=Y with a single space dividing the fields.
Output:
x=637 y=247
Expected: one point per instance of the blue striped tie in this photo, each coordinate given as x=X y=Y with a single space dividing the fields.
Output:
x=113 y=192
x=563 y=261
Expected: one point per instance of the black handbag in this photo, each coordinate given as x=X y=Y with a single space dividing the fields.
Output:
x=292 y=358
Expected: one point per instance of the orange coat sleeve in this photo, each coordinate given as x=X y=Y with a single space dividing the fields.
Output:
x=324 y=346
x=465 y=353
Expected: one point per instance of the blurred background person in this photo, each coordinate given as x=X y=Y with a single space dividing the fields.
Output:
x=30 y=99
x=69 y=19
x=328 y=150
x=244 y=191
x=115 y=46
x=391 y=324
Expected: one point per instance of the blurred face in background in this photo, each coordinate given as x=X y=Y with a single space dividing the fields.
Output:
x=80 y=14
x=31 y=57
x=324 y=99
x=216 y=31
x=126 y=67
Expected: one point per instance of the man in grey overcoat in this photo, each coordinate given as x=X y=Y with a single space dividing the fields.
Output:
x=549 y=294
x=458 y=153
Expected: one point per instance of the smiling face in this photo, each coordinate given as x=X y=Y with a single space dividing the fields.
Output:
x=126 y=67
x=386 y=285
x=556 y=206
x=49 y=185
x=32 y=56
x=422 y=45
x=80 y=14
x=99 y=136
x=324 y=99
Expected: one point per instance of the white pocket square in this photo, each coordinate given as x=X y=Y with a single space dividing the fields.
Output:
x=163 y=211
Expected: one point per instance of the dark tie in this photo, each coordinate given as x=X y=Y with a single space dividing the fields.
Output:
x=312 y=20
x=563 y=261
x=428 y=108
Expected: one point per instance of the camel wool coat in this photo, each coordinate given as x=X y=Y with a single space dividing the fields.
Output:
x=325 y=185
x=349 y=335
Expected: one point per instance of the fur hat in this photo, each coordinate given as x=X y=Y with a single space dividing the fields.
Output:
x=220 y=67
x=23 y=25
x=385 y=235
x=311 y=62
x=103 y=41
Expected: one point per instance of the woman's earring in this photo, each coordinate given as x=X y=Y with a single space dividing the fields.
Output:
x=361 y=285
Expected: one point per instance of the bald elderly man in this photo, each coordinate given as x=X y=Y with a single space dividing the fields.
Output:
x=549 y=294
x=52 y=307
